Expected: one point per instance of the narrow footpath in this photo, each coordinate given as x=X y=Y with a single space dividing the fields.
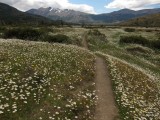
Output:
x=106 y=108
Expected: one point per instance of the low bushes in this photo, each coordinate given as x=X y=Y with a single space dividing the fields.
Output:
x=129 y=30
x=158 y=35
x=134 y=40
x=35 y=35
x=95 y=32
x=2 y=29
x=59 y=38
x=23 y=33
x=140 y=40
x=139 y=49
x=156 y=44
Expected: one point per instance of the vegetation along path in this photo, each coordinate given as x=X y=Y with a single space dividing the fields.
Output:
x=106 y=108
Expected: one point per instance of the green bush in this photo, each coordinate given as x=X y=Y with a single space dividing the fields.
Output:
x=148 y=30
x=138 y=49
x=59 y=38
x=158 y=35
x=46 y=29
x=23 y=33
x=140 y=40
x=155 y=44
x=97 y=35
x=95 y=32
x=2 y=29
x=134 y=40
x=35 y=35
x=129 y=30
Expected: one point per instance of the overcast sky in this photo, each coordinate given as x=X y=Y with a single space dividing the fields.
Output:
x=89 y=6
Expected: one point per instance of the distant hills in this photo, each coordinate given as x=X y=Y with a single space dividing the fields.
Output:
x=65 y=15
x=12 y=16
x=80 y=17
x=146 y=21
x=123 y=15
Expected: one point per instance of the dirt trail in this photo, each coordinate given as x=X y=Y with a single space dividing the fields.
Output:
x=84 y=41
x=106 y=108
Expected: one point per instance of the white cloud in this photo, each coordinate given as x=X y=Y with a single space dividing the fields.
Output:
x=131 y=4
x=62 y=4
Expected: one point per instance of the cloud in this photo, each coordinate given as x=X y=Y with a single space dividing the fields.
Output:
x=131 y=4
x=62 y=4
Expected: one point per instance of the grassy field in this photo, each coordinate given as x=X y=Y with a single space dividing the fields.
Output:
x=45 y=81
x=146 y=58
x=40 y=80
x=136 y=92
x=134 y=70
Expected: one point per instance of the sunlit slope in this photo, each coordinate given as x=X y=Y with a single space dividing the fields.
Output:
x=136 y=91
x=45 y=81
x=134 y=71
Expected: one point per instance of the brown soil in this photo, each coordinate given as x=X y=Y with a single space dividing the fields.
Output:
x=106 y=108
x=84 y=41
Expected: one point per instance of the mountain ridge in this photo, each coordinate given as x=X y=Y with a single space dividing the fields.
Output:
x=80 y=17
x=152 y=20
x=12 y=16
x=61 y=14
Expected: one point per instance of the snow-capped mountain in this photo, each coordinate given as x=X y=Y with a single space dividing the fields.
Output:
x=80 y=17
x=62 y=14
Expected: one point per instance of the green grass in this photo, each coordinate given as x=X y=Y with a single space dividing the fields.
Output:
x=45 y=81
x=54 y=81
x=136 y=92
x=135 y=73
x=112 y=47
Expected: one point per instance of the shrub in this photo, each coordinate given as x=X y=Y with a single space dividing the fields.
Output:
x=141 y=41
x=23 y=33
x=134 y=40
x=155 y=44
x=129 y=30
x=138 y=49
x=95 y=32
x=2 y=29
x=97 y=35
x=46 y=29
x=158 y=35
x=59 y=38
x=148 y=30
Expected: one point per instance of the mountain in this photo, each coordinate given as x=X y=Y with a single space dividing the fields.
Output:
x=123 y=15
x=80 y=17
x=12 y=16
x=146 y=21
x=62 y=14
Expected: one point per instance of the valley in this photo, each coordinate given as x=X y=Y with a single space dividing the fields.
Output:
x=63 y=64
x=66 y=71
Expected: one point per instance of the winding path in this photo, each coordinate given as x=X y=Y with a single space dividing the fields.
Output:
x=106 y=108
